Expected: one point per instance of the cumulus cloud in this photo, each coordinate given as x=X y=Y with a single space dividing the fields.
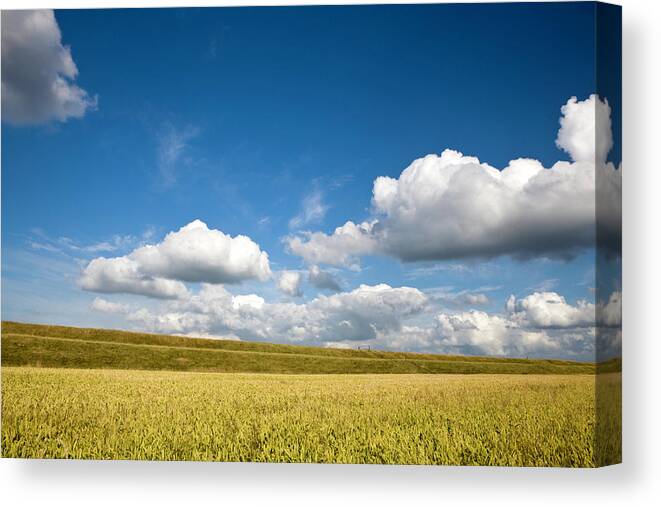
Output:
x=323 y=279
x=369 y=310
x=289 y=282
x=478 y=332
x=123 y=275
x=313 y=210
x=38 y=72
x=340 y=248
x=194 y=253
x=551 y=310
x=585 y=129
x=542 y=324
x=454 y=206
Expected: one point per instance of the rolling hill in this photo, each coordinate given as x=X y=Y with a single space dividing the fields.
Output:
x=71 y=347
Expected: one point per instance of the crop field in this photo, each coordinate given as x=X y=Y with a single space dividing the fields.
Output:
x=530 y=420
x=96 y=394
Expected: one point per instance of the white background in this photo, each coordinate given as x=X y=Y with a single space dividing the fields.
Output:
x=636 y=482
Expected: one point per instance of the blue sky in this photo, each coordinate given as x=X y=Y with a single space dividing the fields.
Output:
x=270 y=122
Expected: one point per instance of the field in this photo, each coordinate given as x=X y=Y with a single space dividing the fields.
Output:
x=124 y=401
x=513 y=420
x=57 y=346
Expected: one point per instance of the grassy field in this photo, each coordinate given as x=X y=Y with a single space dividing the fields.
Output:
x=86 y=393
x=530 y=420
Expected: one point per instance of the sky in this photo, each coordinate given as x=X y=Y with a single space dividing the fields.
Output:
x=416 y=178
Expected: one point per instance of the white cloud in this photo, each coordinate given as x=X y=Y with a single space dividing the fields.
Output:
x=551 y=310
x=123 y=275
x=547 y=310
x=313 y=210
x=585 y=129
x=194 y=253
x=289 y=282
x=454 y=206
x=38 y=72
x=104 y=306
x=540 y=324
x=478 y=332
x=252 y=301
x=368 y=311
x=340 y=248
x=323 y=279
x=411 y=338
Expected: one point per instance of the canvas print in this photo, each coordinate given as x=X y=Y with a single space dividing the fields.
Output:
x=384 y=234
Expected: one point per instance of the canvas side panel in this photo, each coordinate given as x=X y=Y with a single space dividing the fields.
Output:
x=608 y=272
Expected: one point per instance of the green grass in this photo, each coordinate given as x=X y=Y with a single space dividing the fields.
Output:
x=58 y=346
x=515 y=420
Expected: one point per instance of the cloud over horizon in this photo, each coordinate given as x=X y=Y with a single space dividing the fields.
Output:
x=392 y=318
x=361 y=314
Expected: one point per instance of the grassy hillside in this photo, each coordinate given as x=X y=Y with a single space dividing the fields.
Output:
x=69 y=347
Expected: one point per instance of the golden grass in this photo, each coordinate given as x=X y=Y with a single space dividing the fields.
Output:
x=515 y=420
